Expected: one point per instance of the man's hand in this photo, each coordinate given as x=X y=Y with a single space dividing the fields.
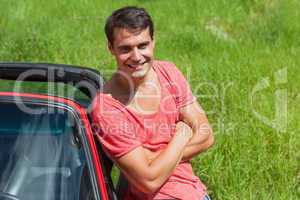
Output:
x=196 y=144
x=182 y=130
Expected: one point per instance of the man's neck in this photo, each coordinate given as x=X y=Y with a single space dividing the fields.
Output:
x=131 y=84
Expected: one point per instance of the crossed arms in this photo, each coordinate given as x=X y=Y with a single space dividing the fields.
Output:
x=151 y=169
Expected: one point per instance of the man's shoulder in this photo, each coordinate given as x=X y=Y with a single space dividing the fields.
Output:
x=167 y=68
x=105 y=105
x=164 y=63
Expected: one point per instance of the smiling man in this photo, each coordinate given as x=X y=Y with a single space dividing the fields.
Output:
x=151 y=124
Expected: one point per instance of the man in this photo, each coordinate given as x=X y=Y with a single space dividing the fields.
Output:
x=151 y=124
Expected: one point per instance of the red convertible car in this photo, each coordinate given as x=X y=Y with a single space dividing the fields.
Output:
x=48 y=150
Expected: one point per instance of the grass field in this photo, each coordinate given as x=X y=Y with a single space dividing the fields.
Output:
x=241 y=58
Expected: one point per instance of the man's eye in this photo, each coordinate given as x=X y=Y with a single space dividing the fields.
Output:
x=143 y=46
x=124 y=50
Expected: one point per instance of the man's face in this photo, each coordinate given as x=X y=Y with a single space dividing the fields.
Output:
x=133 y=51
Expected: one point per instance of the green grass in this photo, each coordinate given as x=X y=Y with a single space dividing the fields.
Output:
x=225 y=48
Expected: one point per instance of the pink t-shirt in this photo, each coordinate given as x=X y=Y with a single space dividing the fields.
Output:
x=122 y=130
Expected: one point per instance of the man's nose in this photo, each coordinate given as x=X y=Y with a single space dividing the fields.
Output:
x=136 y=55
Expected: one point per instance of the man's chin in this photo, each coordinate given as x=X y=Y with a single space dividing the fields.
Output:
x=139 y=74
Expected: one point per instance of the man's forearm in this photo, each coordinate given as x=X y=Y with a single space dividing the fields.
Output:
x=147 y=175
x=159 y=169
x=196 y=146
x=159 y=164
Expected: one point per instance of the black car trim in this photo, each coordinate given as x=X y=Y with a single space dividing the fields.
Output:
x=87 y=80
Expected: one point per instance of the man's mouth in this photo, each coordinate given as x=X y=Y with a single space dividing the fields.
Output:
x=136 y=66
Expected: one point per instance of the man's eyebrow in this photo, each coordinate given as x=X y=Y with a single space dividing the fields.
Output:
x=144 y=43
x=123 y=47
x=128 y=46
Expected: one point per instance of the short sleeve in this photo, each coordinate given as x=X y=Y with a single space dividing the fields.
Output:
x=115 y=128
x=180 y=87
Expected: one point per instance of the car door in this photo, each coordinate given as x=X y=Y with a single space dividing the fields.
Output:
x=47 y=148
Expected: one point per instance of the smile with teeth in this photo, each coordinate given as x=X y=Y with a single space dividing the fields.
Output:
x=136 y=66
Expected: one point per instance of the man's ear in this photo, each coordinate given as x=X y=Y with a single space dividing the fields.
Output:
x=110 y=47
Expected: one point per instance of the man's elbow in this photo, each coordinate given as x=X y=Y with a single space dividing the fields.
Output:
x=148 y=182
x=205 y=131
x=210 y=140
x=150 y=186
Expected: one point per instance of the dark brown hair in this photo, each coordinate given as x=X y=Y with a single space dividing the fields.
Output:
x=130 y=17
